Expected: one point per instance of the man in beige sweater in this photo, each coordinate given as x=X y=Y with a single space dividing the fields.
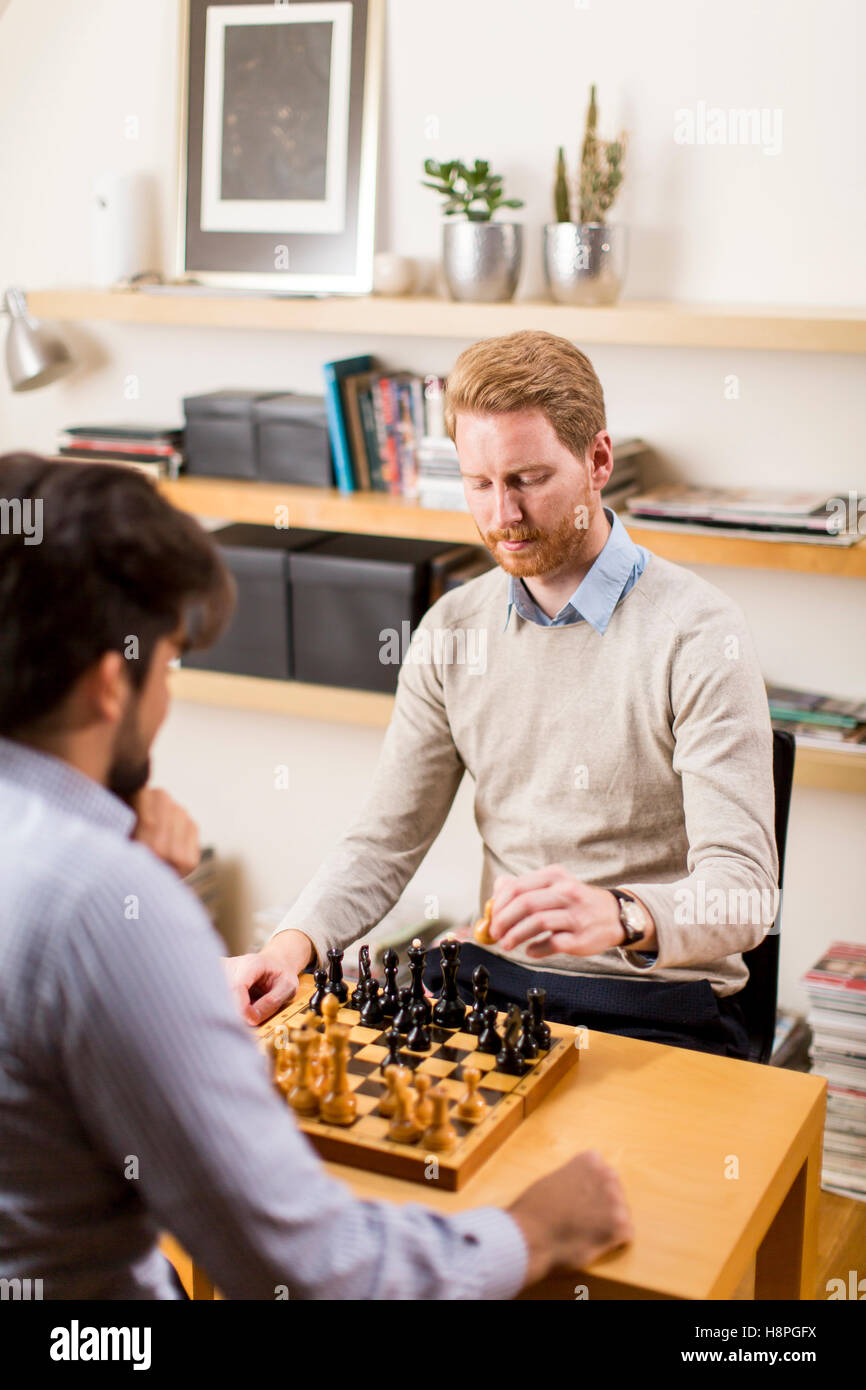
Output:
x=610 y=709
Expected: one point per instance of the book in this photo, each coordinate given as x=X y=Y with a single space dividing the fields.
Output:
x=773 y=513
x=334 y=373
x=374 y=456
x=352 y=386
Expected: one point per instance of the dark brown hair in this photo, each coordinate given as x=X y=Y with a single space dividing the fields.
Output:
x=113 y=559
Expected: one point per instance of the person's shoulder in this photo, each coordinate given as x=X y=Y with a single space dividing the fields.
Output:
x=478 y=600
x=681 y=601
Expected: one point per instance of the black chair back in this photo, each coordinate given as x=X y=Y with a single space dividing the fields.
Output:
x=758 y=998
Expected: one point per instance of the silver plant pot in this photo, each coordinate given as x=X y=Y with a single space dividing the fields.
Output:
x=481 y=260
x=584 y=262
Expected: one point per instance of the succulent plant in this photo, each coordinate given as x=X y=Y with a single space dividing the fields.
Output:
x=464 y=187
x=600 y=174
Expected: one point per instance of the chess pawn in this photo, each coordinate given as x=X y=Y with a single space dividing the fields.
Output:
x=488 y=1039
x=482 y=926
x=391 y=994
x=404 y=1128
x=423 y=1104
x=536 y=998
x=393 y=1076
x=339 y=1104
x=440 y=1134
x=394 y=1044
x=403 y=1016
x=480 y=985
x=471 y=1106
x=286 y=1068
x=336 y=984
x=302 y=1097
x=321 y=979
x=371 y=1010
x=526 y=1044
x=418 y=1039
x=330 y=1010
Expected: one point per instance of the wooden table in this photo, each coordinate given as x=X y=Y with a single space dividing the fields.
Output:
x=720 y=1160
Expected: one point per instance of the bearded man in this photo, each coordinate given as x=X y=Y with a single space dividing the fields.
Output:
x=618 y=737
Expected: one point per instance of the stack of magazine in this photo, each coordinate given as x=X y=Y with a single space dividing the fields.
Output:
x=837 y=993
x=153 y=449
x=818 y=720
x=771 y=514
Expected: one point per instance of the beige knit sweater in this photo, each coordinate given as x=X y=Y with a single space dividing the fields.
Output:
x=641 y=758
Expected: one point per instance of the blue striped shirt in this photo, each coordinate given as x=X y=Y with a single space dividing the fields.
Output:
x=133 y=1098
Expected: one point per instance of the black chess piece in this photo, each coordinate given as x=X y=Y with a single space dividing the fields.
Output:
x=393 y=1042
x=417 y=957
x=449 y=1011
x=371 y=1009
x=359 y=994
x=526 y=1044
x=419 y=1034
x=336 y=984
x=488 y=1039
x=391 y=996
x=508 y=1059
x=536 y=998
x=480 y=985
x=321 y=979
x=403 y=1016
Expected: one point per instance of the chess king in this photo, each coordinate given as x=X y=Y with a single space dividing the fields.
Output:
x=618 y=737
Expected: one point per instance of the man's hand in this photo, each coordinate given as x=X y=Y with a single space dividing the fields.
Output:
x=551 y=912
x=166 y=829
x=573 y=1216
x=263 y=982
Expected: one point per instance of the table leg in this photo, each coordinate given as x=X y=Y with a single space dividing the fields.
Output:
x=786 y=1266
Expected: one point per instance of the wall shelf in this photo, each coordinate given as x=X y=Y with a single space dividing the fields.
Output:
x=631 y=323
x=824 y=768
x=379 y=514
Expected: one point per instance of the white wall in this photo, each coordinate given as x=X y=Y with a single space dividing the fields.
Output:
x=506 y=80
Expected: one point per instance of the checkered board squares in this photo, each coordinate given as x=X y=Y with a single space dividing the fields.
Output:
x=365 y=1143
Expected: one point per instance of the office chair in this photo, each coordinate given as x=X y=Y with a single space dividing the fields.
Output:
x=758 y=998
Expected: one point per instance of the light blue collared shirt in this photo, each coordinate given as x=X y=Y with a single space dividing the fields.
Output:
x=615 y=570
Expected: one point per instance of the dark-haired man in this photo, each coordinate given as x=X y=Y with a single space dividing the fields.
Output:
x=132 y=1098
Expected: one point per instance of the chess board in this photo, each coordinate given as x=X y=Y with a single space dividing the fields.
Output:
x=364 y=1143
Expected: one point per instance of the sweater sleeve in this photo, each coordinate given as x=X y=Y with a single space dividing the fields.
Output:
x=723 y=754
x=415 y=782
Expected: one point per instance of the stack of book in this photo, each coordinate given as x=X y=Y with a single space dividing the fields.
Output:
x=837 y=993
x=152 y=448
x=817 y=720
x=772 y=514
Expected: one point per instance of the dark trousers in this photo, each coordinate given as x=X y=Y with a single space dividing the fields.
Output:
x=690 y=1014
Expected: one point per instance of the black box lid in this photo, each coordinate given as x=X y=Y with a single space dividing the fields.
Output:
x=224 y=403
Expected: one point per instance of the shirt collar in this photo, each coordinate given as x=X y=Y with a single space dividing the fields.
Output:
x=62 y=784
x=600 y=590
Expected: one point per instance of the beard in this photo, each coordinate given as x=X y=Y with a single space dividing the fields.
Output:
x=129 y=770
x=551 y=550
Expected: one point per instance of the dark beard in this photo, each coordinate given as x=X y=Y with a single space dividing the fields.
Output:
x=125 y=777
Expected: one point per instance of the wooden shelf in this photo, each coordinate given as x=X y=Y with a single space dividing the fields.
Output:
x=378 y=514
x=631 y=323
x=824 y=768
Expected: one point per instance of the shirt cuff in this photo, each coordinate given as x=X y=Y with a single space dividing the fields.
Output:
x=501 y=1255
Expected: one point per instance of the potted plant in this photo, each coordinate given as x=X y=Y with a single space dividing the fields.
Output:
x=584 y=258
x=480 y=258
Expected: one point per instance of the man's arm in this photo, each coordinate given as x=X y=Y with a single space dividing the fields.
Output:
x=415 y=782
x=724 y=755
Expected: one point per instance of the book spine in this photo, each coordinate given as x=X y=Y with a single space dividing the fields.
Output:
x=368 y=421
x=408 y=438
x=391 y=470
x=337 y=430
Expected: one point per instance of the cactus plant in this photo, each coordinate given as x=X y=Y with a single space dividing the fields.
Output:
x=600 y=172
x=463 y=187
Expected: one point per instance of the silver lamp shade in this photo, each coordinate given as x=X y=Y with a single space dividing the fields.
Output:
x=34 y=355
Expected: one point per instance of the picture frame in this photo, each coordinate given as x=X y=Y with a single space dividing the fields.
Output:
x=278 y=144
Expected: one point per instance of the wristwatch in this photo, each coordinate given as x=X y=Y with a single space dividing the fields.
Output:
x=631 y=917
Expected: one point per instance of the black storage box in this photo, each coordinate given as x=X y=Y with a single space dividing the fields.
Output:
x=292 y=440
x=220 y=439
x=344 y=594
x=258 y=640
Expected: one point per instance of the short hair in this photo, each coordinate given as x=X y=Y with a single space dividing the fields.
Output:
x=113 y=559
x=525 y=371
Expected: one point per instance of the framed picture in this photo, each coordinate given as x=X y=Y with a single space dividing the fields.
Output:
x=279 y=117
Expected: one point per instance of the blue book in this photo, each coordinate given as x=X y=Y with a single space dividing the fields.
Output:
x=334 y=372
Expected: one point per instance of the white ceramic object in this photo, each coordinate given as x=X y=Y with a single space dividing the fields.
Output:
x=393 y=274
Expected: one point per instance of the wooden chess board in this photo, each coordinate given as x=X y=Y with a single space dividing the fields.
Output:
x=364 y=1143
